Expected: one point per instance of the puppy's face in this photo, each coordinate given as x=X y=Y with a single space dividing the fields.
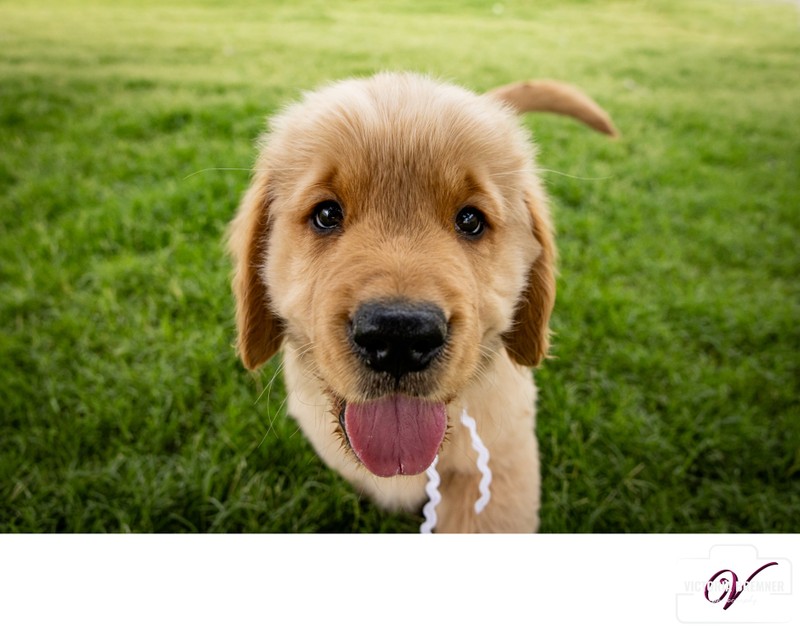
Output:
x=395 y=236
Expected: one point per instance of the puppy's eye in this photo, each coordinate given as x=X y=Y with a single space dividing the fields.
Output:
x=470 y=222
x=327 y=216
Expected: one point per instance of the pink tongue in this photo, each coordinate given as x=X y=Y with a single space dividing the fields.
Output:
x=395 y=435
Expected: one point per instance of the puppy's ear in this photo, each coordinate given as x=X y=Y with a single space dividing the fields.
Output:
x=528 y=339
x=260 y=332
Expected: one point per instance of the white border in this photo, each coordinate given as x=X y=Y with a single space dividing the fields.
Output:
x=355 y=581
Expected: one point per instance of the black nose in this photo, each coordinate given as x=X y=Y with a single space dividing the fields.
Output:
x=398 y=337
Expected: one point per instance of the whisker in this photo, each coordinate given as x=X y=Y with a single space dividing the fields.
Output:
x=268 y=388
x=201 y=171
x=272 y=420
x=272 y=169
x=576 y=177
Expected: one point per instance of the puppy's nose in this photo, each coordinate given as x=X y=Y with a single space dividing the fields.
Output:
x=398 y=337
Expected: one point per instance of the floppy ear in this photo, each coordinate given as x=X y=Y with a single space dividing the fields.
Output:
x=260 y=332
x=528 y=339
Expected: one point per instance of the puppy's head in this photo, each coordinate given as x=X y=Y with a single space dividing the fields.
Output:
x=396 y=236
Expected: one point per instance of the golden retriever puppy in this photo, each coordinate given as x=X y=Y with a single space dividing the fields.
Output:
x=395 y=244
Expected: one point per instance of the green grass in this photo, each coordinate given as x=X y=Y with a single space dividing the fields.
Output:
x=126 y=135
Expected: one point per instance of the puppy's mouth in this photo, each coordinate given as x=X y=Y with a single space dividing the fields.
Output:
x=396 y=344
x=394 y=435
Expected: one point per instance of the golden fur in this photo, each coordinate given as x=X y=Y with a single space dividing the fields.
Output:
x=402 y=154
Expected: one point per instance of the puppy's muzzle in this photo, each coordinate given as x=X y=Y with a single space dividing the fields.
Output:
x=398 y=337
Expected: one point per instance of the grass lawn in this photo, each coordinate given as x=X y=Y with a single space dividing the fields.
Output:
x=126 y=136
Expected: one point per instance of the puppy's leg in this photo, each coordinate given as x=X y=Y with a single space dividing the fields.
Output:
x=503 y=404
x=514 y=505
